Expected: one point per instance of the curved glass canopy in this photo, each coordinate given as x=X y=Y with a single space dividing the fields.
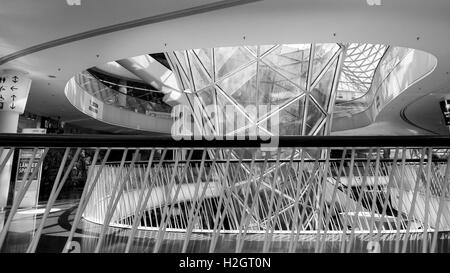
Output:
x=358 y=69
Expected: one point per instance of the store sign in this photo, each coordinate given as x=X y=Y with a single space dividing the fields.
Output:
x=31 y=197
x=93 y=107
x=34 y=131
x=14 y=89
x=445 y=108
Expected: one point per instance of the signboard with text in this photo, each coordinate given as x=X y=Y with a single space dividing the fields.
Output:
x=31 y=197
x=14 y=89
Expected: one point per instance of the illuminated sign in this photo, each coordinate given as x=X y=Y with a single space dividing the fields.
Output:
x=14 y=89
x=32 y=194
x=31 y=197
x=73 y=2
x=373 y=2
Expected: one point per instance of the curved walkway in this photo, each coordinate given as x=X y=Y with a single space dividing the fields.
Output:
x=119 y=112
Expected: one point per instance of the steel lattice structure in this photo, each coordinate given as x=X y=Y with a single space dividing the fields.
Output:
x=358 y=69
x=295 y=81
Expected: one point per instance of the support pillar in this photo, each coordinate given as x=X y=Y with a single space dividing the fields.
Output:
x=14 y=89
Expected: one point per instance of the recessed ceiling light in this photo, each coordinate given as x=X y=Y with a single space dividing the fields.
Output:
x=373 y=2
x=73 y=2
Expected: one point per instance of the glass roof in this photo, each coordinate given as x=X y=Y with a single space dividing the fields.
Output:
x=358 y=68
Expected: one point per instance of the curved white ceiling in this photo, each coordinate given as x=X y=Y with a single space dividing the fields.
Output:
x=408 y=23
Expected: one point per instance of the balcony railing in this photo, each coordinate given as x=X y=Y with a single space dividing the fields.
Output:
x=113 y=97
x=310 y=194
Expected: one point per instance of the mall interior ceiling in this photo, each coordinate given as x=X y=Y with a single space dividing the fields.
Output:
x=52 y=41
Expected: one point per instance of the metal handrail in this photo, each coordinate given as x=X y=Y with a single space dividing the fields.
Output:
x=367 y=195
x=137 y=141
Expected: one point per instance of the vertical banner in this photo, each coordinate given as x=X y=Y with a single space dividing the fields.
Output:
x=31 y=197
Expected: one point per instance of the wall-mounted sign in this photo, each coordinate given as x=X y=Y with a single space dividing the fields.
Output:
x=14 y=89
x=93 y=106
x=445 y=108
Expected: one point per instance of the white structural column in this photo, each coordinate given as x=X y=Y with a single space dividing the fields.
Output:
x=14 y=89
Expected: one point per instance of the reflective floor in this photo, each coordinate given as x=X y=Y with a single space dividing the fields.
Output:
x=58 y=225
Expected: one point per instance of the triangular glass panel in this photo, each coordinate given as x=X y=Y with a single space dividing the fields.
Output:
x=187 y=82
x=208 y=107
x=264 y=48
x=207 y=96
x=228 y=59
x=233 y=118
x=274 y=89
x=289 y=119
x=205 y=57
x=184 y=82
x=181 y=56
x=291 y=61
x=322 y=90
x=242 y=86
x=322 y=55
x=200 y=78
x=313 y=117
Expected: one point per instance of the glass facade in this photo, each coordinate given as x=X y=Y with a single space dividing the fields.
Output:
x=292 y=81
